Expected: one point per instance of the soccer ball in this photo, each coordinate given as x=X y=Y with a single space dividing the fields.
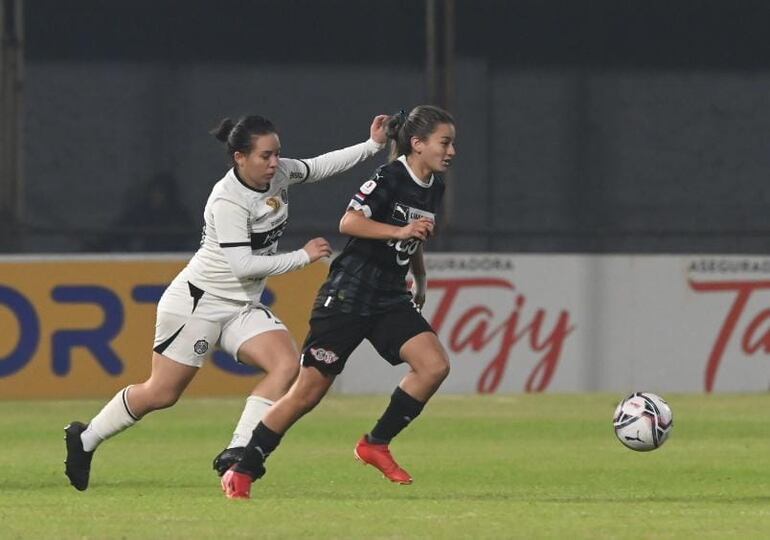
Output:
x=643 y=421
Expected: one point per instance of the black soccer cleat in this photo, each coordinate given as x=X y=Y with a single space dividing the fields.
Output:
x=227 y=458
x=77 y=466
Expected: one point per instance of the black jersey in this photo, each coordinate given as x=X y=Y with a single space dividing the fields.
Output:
x=369 y=275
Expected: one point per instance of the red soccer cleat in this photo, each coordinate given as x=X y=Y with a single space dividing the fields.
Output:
x=378 y=456
x=236 y=485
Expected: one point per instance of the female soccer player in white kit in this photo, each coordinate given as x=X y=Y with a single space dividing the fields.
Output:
x=216 y=297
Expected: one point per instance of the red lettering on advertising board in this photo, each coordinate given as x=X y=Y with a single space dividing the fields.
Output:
x=474 y=329
x=751 y=343
x=751 y=340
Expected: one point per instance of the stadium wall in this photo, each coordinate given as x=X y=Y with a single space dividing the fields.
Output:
x=550 y=159
x=83 y=326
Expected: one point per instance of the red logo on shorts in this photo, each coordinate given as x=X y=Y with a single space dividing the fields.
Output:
x=322 y=355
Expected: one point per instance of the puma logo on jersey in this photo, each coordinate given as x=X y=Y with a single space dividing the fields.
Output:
x=400 y=212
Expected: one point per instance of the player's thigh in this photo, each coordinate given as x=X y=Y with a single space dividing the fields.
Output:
x=258 y=338
x=403 y=335
x=169 y=378
x=269 y=350
x=425 y=354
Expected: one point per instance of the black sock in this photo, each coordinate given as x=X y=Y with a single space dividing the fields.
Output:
x=403 y=409
x=262 y=443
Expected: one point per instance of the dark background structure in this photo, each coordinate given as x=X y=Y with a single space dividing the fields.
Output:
x=596 y=127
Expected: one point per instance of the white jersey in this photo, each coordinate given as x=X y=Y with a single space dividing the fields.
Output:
x=242 y=226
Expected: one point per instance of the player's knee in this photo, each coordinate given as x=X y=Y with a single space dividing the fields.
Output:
x=445 y=370
x=437 y=370
x=164 y=398
x=286 y=371
x=441 y=371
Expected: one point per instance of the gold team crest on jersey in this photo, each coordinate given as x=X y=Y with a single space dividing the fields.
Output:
x=274 y=203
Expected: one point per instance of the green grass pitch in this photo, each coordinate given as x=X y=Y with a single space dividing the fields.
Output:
x=519 y=466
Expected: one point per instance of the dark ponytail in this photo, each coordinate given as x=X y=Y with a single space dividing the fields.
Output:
x=420 y=122
x=239 y=136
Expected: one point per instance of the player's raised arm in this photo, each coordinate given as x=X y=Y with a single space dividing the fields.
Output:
x=337 y=161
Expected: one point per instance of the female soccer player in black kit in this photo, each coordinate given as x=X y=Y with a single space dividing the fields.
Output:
x=365 y=297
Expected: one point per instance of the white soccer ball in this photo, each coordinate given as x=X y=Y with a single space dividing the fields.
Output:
x=643 y=421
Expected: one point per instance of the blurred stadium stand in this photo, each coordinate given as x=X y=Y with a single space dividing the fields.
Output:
x=595 y=126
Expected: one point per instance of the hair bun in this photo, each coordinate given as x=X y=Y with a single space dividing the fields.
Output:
x=222 y=132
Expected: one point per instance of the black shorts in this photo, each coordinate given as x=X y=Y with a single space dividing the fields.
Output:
x=334 y=337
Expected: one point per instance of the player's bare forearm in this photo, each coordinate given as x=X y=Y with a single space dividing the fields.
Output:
x=420 y=282
x=417 y=262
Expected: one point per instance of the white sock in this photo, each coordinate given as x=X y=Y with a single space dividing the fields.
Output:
x=255 y=409
x=111 y=420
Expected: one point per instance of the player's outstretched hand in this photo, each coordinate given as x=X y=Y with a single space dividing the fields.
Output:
x=420 y=229
x=317 y=248
x=377 y=131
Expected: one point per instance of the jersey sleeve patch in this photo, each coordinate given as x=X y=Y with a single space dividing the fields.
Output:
x=368 y=187
x=374 y=194
x=355 y=205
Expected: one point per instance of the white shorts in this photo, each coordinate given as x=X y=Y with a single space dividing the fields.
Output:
x=190 y=322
